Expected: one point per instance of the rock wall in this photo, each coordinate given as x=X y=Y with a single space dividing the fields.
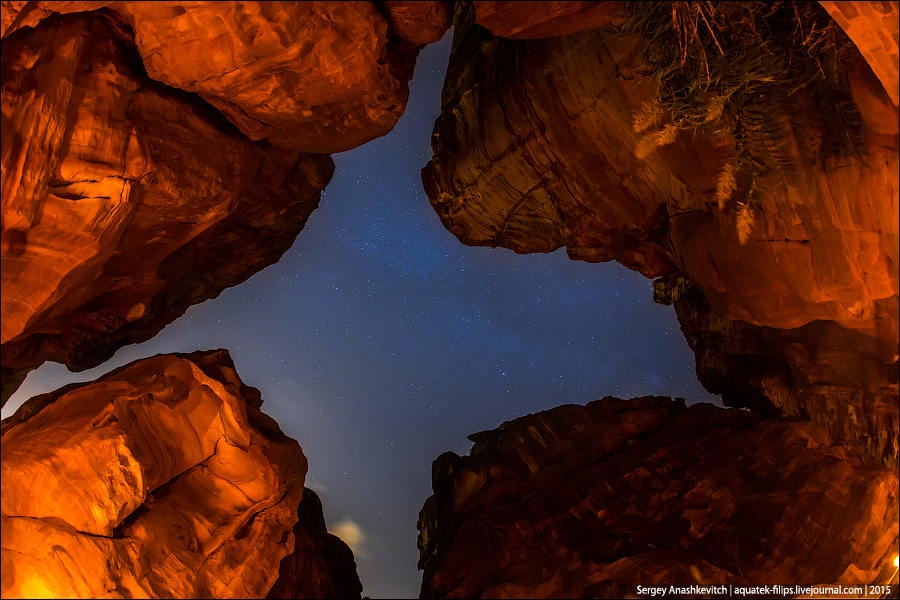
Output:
x=311 y=76
x=587 y=501
x=536 y=149
x=125 y=201
x=875 y=29
x=525 y=20
x=161 y=479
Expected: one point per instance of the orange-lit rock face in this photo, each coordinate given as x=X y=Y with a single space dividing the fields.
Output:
x=583 y=501
x=309 y=76
x=538 y=154
x=417 y=22
x=124 y=201
x=160 y=479
x=875 y=28
x=535 y=150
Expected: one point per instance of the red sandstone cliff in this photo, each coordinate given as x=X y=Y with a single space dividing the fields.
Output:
x=312 y=76
x=162 y=479
x=587 y=501
x=124 y=201
x=536 y=149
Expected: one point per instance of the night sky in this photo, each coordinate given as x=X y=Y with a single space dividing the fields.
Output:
x=380 y=342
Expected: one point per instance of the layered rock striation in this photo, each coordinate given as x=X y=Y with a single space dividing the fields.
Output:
x=161 y=479
x=537 y=149
x=587 y=501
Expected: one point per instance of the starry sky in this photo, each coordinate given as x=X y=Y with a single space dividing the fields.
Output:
x=380 y=342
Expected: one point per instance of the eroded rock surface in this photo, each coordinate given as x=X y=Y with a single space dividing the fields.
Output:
x=161 y=479
x=124 y=201
x=309 y=76
x=584 y=501
x=419 y=23
x=536 y=149
x=318 y=77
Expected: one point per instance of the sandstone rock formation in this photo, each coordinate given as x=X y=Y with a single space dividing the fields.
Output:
x=321 y=565
x=311 y=76
x=418 y=23
x=161 y=479
x=154 y=154
x=536 y=149
x=586 y=501
x=873 y=28
x=124 y=201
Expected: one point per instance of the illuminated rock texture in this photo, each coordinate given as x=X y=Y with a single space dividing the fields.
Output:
x=309 y=76
x=536 y=149
x=419 y=23
x=585 y=501
x=161 y=479
x=124 y=201
x=875 y=29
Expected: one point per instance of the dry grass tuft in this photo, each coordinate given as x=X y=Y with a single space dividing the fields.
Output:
x=745 y=223
x=726 y=184
x=649 y=116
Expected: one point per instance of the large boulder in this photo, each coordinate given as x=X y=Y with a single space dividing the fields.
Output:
x=161 y=479
x=124 y=201
x=156 y=153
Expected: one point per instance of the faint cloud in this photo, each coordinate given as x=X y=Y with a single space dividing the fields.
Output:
x=317 y=487
x=350 y=532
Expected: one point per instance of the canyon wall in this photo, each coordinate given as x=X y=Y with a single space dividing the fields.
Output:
x=588 y=501
x=162 y=478
x=156 y=153
x=537 y=148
